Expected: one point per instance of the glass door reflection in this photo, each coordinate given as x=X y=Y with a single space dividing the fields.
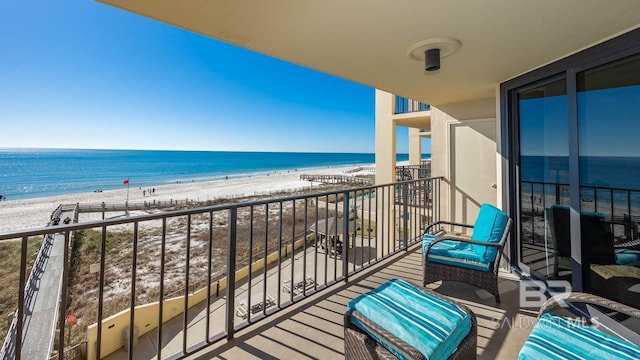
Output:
x=544 y=177
x=608 y=99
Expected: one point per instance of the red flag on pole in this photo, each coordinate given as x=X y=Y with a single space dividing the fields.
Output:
x=126 y=182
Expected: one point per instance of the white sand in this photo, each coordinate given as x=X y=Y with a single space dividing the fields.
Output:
x=35 y=213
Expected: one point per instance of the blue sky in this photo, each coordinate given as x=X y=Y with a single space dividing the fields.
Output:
x=78 y=74
x=607 y=121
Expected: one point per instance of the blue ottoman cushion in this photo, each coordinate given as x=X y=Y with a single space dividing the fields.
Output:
x=556 y=337
x=433 y=326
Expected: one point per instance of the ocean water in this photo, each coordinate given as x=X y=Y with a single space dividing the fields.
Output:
x=603 y=179
x=595 y=171
x=31 y=173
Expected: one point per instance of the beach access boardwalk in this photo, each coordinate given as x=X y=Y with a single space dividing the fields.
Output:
x=338 y=179
x=42 y=293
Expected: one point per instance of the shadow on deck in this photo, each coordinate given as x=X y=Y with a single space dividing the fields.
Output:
x=313 y=327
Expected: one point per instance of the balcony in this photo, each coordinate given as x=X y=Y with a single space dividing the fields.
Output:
x=266 y=278
x=243 y=268
x=404 y=105
x=411 y=172
x=312 y=329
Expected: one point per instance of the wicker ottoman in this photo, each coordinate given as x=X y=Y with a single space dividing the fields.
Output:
x=399 y=320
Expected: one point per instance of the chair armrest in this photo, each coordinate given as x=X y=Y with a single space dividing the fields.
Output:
x=499 y=245
x=426 y=231
x=559 y=300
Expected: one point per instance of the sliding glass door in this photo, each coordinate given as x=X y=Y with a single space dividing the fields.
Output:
x=543 y=175
x=573 y=138
x=608 y=104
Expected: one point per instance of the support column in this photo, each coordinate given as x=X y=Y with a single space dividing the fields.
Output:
x=385 y=139
x=386 y=221
x=415 y=147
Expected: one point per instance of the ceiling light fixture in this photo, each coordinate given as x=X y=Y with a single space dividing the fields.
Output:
x=432 y=50
x=432 y=60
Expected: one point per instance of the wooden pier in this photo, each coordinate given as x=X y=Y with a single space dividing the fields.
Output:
x=337 y=179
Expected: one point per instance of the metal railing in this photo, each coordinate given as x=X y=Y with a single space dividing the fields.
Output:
x=405 y=105
x=620 y=207
x=77 y=351
x=146 y=205
x=411 y=172
x=222 y=259
x=11 y=341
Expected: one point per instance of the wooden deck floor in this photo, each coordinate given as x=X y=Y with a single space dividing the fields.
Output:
x=312 y=329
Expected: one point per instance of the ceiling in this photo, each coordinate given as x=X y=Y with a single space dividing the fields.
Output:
x=367 y=41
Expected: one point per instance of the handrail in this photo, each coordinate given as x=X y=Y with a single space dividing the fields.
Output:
x=36 y=270
x=616 y=203
x=398 y=210
x=182 y=212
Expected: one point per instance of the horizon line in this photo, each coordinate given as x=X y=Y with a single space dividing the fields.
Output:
x=195 y=150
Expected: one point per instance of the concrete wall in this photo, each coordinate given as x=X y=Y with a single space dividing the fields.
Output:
x=464 y=153
x=465 y=143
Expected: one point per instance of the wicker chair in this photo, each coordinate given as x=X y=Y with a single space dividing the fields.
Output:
x=470 y=260
x=565 y=329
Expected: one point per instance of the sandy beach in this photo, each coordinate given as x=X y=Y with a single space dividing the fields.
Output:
x=34 y=213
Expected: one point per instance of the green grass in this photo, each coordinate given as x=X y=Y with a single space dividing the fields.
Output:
x=10 y=257
x=84 y=285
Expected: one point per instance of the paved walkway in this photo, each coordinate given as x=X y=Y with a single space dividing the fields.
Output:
x=172 y=334
x=41 y=304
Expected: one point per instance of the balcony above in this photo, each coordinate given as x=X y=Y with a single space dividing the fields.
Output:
x=404 y=105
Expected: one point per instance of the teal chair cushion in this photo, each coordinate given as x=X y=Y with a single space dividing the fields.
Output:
x=489 y=227
x=455 y=253
x=432 y=325
x=628 y=257
x=599 y=215
x=464 y=257
x=556 y=337
x=444 y=245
